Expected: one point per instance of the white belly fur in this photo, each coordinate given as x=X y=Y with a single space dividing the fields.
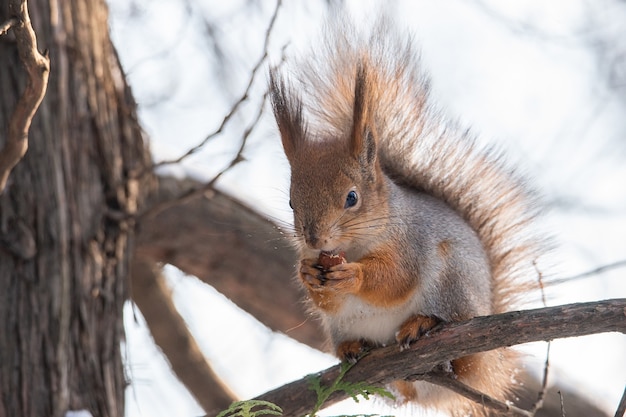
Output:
x=359 y=320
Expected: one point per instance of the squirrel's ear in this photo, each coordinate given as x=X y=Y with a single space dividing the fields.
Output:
x=362 y=141
x=287 y=108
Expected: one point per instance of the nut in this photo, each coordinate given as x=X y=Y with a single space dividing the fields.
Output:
x=327 y=260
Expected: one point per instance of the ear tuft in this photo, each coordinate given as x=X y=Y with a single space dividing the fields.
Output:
x=362 y=141
x=287 y=107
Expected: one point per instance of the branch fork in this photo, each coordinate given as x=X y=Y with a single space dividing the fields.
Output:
x=37 y=66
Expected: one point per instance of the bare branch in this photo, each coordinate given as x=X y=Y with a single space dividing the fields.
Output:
x=186 y=197
x=455 y=340
x=209 y=238
x=448 y=380
x=196 y=192
x=6 y=26
x=173 y=337
x=544 y=384
x=595 y=271
x=239 y=102
x=562 y=405
x=621 y=408
x=546 y=368
x=207 y=187
x=38 y=67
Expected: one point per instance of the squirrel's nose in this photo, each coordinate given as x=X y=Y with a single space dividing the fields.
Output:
x=312 y=240
x=312 y=237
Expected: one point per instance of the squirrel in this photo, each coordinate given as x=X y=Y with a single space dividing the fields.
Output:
x=429 y=226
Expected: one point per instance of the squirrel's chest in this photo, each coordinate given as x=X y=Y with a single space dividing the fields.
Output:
x=360 y=320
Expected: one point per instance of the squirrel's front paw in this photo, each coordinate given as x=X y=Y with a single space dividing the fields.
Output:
x=327 y=287
x=346 y=277
x=310 y=274
x=414 y=328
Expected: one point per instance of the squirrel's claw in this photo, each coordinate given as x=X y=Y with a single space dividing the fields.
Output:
x=345 y=277
x=352 y=350
x=310 y=275
x=414 y=328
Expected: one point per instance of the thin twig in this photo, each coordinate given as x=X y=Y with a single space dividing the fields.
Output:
x=604 y=268
x=238 y=103
x=447 y=380
x=562 y=405
x=6 y=26
x=621 y=408
x=196 y=192
x=540 y=283
x=519 y=27
x=546 y=368
x=38 y=67
x=544 y=384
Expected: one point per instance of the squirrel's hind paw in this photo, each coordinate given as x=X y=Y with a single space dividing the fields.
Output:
x=353 y=350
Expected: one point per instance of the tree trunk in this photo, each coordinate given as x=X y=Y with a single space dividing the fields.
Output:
x=65 y=238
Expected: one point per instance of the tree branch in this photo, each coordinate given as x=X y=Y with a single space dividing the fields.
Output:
x=171 y=334
x=211 y=237
x=595 y=271
x=204 y=188
x=6 y=26
x=155 y=209
x=38 y=67
x=621 y=408
x=455 y=340
x=239 y=102
x=448 y=380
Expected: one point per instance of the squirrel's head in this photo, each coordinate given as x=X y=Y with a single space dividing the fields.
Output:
x=337 y=185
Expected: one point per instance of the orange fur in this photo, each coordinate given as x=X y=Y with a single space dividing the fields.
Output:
x=375 y=279
x=406 y=391
x=384 y=284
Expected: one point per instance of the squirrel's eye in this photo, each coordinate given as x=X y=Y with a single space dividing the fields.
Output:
x=351 y=199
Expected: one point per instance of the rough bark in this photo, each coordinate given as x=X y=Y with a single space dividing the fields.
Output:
x=63 y=248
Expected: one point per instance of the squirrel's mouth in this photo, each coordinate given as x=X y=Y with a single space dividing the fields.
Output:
x=327 y=260
x=332 y=252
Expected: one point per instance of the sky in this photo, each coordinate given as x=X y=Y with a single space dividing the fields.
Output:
x=533 y=77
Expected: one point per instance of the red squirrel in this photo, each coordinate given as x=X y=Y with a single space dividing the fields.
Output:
x=430 y=227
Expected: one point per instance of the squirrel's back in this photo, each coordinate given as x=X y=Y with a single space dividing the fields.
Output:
x=419 y=148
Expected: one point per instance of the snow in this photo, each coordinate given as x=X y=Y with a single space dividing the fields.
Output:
x=521 y=73
x=78 y=413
